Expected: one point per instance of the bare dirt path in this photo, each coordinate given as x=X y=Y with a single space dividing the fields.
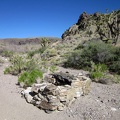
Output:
x=102 y=103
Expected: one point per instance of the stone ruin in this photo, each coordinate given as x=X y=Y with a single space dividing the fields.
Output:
x=57 y=91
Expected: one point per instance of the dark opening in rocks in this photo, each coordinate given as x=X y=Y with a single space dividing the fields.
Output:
x=62 y=78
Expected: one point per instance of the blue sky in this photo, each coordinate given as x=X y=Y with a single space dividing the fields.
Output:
x=35 y=18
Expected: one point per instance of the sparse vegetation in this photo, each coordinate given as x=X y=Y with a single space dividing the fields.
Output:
x=79 y=51
x=53 y=68
x=1 y=62
x=7 y=53
x=97 y=57
x=19 y=64
x=39 y=69
x=43 y=46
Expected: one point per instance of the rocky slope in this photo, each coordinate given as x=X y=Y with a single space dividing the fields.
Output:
x=97 y=25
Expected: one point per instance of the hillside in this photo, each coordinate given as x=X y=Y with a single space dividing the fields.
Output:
x=98 y=25
x=23 y=44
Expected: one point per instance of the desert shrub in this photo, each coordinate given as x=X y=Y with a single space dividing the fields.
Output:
x=97 y=52
x=117 y=78
x=29 y=78
x=53 y=68
x=31 y=54
x=19 y=64
x=30 y=64
x=49 y=53
x=40 y=51
x=115 y=67
x=98 y=71
x=7 y=53
x=1 y=61
x=10 y=70
x=96 y=75
x=44 y=45
x=76 y=60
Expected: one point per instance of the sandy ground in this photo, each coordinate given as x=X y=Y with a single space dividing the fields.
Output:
x=102 y=103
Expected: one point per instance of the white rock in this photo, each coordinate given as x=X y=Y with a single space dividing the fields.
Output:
x=80 y=74
x=27 y=91
x=61 y=107
x=28 y=98
x=78 y=94
x=113 y=109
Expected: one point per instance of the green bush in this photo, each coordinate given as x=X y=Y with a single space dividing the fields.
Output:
x=97 y=52
x=29 y=78
x=75 y=60
x=98 y=71
x=115 y=67
x=96 y=75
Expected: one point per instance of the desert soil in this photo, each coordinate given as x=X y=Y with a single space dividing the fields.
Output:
x=102 y=103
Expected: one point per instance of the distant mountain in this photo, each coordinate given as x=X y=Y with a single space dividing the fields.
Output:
x=104 y=26
x=24 y=44
x=24 y=41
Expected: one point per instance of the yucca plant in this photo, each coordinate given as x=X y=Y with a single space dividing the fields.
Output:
x=29 y=78
x=98 y=71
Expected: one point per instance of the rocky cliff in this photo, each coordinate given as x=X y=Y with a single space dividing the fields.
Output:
x=104 y=26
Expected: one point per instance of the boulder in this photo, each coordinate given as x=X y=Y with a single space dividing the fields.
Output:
x=50 y=90
x=46 y=106
x=60 y=107
x=53 y=100
x=28 y=98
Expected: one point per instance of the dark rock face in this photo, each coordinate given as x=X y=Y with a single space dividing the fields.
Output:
x=62 y=79
x=82 y=17
x=96 y=14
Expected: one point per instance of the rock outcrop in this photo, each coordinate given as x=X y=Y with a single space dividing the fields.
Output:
x=97 y=25
x=58 y=91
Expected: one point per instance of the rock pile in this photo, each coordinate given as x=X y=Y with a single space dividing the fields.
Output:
x=57 y=91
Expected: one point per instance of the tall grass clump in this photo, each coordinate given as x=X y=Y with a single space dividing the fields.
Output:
x=29 y=78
